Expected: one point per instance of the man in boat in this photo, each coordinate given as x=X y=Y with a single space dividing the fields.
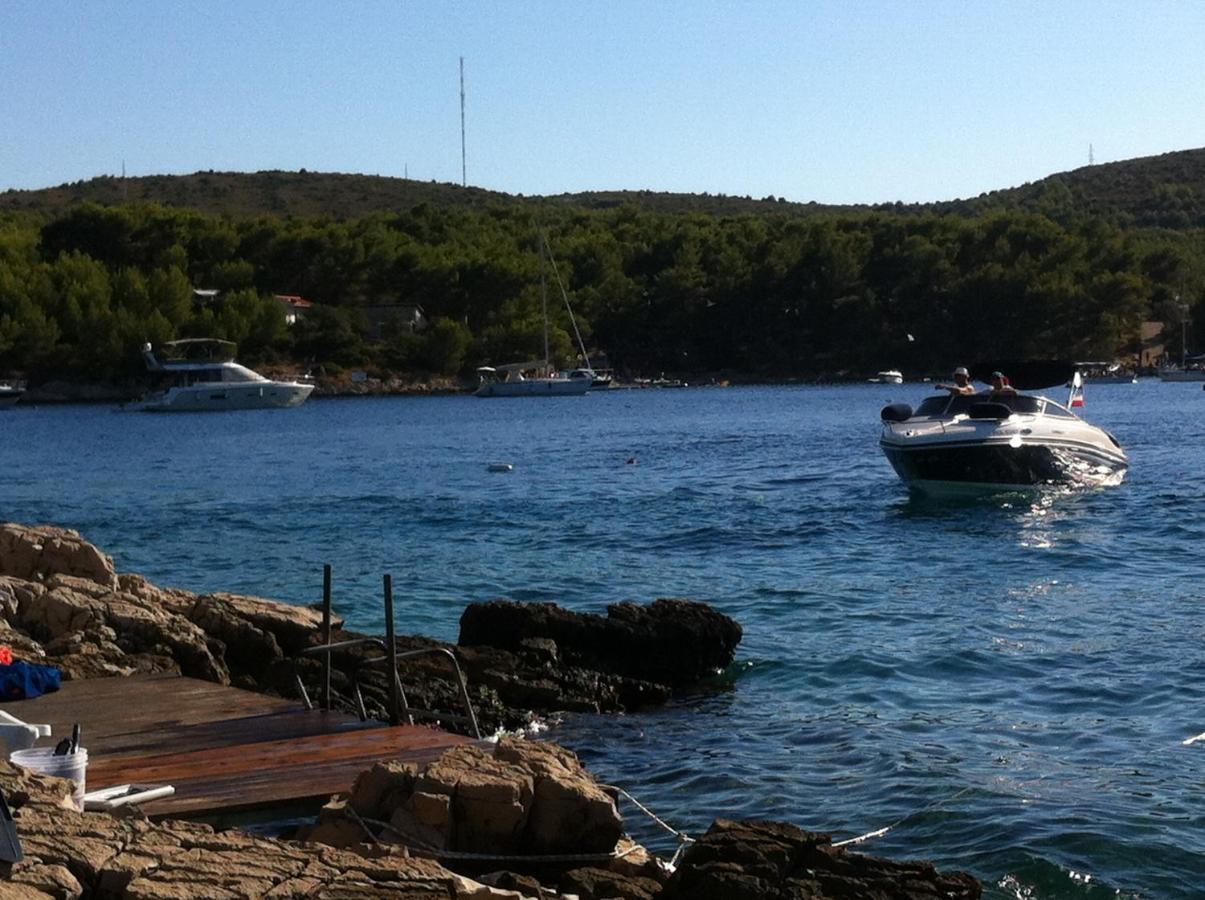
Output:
x=962 y=383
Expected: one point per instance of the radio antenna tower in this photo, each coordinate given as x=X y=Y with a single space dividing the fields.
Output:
x=463 y=178
x=1091 y=156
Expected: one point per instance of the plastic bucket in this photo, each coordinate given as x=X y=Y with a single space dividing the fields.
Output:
x=69 y=765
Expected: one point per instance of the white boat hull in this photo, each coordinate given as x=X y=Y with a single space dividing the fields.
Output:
x=535 y=387
x=210 y=397
x=1018 y=450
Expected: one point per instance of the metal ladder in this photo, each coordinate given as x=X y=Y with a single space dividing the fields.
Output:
x=399 y=707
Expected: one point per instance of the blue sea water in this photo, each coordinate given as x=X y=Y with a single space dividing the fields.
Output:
x=1007 y=681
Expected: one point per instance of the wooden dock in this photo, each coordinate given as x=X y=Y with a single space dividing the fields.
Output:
x=223 y=749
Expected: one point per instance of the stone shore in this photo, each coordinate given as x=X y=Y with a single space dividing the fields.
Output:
x=62 y=602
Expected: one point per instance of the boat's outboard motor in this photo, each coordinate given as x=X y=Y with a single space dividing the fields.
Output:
x=896 y=412
x=989 y=410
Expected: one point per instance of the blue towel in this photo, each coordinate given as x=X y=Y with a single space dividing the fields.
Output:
x=22 y=680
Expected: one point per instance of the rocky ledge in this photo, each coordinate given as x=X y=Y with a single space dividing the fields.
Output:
x=62 y=602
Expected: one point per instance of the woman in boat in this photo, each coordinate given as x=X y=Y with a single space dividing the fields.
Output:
x=1000 y=386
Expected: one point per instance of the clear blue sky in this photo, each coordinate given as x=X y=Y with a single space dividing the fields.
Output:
x=856 y=102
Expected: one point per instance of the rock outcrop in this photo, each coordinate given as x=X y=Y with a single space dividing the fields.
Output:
x=671 y=642
x=774 y=861
x=69 y=854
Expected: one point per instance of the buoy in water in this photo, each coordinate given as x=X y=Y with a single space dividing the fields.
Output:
x=499 y=467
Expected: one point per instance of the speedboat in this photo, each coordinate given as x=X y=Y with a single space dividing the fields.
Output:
x=888 y=376
x=1012 y=440
x=200 y=374
x=598 y=379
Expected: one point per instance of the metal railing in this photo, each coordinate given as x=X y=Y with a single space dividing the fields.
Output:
x=399 y=707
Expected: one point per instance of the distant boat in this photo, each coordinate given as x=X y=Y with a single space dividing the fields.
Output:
x=1105 y=373
x=598 y=379
x=510 y=381
x=888 y=376
x=9 y=395
x=200 y=375
x=1193 y=370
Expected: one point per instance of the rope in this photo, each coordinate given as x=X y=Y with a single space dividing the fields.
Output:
x=682 y=836
x=882 y=831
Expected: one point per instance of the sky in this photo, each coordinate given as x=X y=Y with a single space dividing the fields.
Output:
x=854 y=101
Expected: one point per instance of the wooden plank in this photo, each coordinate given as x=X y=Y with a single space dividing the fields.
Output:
x=140 y=704
x=267 y=772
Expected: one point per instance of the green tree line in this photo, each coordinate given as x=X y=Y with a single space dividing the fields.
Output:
x=772 y=295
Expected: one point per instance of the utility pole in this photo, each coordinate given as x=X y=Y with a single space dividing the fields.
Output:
x=463 y=170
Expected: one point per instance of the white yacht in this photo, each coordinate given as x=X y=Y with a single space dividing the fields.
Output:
x=200 y=374
x=888 y=376
x=1011 y=440
x=509 y=381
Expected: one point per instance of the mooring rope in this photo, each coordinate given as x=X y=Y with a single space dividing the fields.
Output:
x=879 y=832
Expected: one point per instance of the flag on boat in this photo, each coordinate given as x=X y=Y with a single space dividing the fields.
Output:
x=1077 y=391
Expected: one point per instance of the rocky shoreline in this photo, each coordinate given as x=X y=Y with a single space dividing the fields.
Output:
x=63 y=603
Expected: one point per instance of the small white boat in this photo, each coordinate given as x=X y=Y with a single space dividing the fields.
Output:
x=9 y=395
x=200 y=375
x=888 y=376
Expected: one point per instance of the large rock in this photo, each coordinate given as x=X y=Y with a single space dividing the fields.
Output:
x=35 y=553
x=519 y=797
x=671 y=641
x=778 y=861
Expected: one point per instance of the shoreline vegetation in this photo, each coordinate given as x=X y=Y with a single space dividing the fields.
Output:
x=340 y=273
x=439 y=829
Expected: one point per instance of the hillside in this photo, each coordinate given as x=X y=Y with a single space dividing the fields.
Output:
x=1159 y=191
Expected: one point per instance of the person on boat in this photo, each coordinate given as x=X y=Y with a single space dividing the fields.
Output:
x=962 y=383
x=1000 y=386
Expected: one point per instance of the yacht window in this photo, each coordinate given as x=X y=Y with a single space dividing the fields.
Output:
x=1019 y=403
x=1059 y=412
x=932 y=406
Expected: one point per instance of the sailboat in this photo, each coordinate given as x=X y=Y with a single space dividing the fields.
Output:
x=510 y=381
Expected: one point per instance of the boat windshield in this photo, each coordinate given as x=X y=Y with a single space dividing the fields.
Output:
x=960 y=404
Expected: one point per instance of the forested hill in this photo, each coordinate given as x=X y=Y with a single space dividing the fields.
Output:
x=1157 y=191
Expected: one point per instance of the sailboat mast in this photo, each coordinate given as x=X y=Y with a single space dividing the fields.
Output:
x=544 y=298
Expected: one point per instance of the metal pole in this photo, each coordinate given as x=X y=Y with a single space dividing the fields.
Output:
x=463 y=169
x=391 y=653
x=326 y=635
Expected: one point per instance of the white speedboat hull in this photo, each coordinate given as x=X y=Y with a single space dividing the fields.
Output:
x=1018 y=450
x=210 y=397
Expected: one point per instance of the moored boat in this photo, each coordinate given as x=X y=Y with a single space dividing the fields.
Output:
x=509 y=381
x=9 y=395
x=200 y=375
x=888 y=376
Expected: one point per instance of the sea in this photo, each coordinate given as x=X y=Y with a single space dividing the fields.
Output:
x=1007 y=683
